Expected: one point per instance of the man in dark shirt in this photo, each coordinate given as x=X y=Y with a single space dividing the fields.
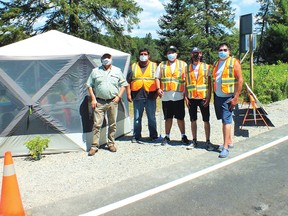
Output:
x=142 y=91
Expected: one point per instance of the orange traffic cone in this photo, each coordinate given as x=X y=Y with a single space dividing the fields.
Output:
x=11 y=203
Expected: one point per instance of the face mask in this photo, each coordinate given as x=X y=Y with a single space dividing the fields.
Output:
x=196 y=57
x=222 y=54
x=143 y=58
x=172 y=56
x=106 y=61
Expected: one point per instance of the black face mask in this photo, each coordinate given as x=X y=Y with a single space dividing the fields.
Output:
x=196 y=57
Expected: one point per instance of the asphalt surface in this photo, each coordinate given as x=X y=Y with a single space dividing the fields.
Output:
x=255 y=185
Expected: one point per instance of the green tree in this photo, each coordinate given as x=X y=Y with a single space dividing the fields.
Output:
x=177 y=27
x=273 y=40
x=87 y=19
x=191 y=23
x=263 y=17
x=276 y=44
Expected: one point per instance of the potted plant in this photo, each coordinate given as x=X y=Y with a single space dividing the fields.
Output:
x=36 y=146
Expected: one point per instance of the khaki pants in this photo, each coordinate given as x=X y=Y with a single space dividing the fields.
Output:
x=103 y=108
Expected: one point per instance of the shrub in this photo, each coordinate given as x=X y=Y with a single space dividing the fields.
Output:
x=36 y=146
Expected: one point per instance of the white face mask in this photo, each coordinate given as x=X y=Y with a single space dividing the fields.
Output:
x=106 y=61
x=143 y=58
x=172 y=56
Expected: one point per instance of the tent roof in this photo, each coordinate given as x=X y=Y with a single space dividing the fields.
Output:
x=55 y=43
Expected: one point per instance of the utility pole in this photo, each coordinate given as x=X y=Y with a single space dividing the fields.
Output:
x=251 y=60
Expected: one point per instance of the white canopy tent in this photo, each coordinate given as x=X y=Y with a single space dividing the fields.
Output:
x=43 y=92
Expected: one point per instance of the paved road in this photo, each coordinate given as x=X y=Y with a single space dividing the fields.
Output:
x=254 y=185
x=257 y=185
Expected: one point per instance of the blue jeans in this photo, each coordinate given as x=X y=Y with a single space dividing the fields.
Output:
x=150 y=108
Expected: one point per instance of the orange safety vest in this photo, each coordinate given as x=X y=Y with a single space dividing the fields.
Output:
x=197 y=88
x=228 y=79
x=146 y=79
x=175 y=81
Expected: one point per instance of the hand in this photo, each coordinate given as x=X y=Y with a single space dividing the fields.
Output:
x=206 y=102
x=187 y=102
x=129 y=98
x=232 y=103
x=160 y=92
x=116 y=99
x=93 y=104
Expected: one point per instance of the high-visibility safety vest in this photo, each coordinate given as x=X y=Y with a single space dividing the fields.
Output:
x=175 y=81
x=228 y=79
x=146 y=79
x=197 y=88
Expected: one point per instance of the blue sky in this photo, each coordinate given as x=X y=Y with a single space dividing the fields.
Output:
x=153 y=9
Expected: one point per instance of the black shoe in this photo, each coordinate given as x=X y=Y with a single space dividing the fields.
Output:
x=209 y=146
x=185 y=140
x=165 y=141
x=136 y=141
x=155 y=139
x=192 y=145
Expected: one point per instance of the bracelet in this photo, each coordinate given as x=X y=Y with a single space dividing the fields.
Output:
x=157 y=89
x=118 y=96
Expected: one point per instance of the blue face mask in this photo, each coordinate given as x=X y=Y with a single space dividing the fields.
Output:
x=223 y=54
x=172 y=56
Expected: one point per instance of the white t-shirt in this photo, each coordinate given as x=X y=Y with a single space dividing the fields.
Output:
x=170 y=95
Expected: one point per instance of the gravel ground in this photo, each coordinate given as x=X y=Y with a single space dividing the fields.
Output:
x=59 y=176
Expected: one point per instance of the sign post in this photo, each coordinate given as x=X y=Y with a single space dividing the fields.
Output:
x=246 y=29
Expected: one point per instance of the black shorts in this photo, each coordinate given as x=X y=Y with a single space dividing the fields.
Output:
x=205 y=111
x=173 y=109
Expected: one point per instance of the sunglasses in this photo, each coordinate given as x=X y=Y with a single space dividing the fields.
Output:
x=225 y=50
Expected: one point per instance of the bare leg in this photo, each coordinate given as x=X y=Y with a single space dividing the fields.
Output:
x=168 y=125
x=181 y=125
x=207 y=130
x=194 y=129
x=226 y=134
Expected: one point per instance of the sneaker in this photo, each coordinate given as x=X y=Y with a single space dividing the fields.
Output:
x=185 y=140
x=230 y=146
x=220 y=148
x=112 y=148
x=155 y=139
x=224 y=153
x=192 y=145
x=92 y=151
x=136 y=141
x=165 y=141
x=209 y=146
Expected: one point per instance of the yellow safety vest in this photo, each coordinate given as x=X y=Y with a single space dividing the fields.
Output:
x=146 y=79
x=197 y=88
x=228 y=79
x=175 y=81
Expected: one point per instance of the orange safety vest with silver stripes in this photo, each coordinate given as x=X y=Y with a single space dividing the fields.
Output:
x=228 y=79
x=146 y=79
x=175 y=81
x=197 y=88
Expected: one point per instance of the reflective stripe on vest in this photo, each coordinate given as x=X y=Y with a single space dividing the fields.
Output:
x=175 y=81
x=197 y=88
x=228 y=79
x=146 y=79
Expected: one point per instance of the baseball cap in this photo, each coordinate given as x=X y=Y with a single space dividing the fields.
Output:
x=195 y=50
x=173 y=48
x=107 y=55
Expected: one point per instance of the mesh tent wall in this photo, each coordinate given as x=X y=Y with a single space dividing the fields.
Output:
x=43 y=92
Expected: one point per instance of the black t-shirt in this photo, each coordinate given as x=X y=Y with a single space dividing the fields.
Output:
x=141 y=93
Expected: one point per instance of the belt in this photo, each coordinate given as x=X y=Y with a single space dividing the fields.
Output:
x=105 y=100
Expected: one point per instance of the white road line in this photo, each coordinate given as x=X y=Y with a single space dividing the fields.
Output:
x=182 y=180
